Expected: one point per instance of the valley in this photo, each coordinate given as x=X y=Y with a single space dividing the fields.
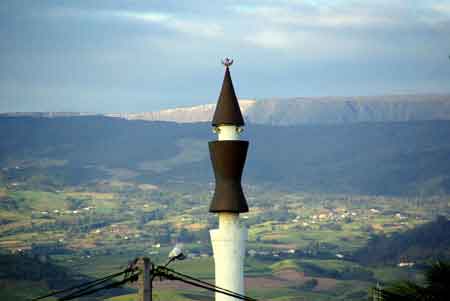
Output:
x=83 y=196
x=303 y=237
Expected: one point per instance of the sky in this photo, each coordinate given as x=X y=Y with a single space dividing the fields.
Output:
x=134 y=56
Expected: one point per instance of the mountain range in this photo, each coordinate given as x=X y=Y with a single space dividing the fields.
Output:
x=304 y=110
x=381 y=158
x=318 y=110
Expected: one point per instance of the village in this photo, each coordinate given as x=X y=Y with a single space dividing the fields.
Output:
x=151 y=219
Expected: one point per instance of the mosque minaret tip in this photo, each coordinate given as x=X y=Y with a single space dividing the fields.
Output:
x=228 y=154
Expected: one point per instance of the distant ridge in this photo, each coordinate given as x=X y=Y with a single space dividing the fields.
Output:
x=48 y=114
x=200 y=113
x=338 y=110
x=301 y=110
x=317 y=110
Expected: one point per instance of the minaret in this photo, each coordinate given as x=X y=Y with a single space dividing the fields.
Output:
x=228 y=155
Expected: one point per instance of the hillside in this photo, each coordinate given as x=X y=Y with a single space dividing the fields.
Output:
x=201 y=113
x=93 y=192
x=427 y=242
x=23 y=277
x=406 y=158
x=298 y=110
x=318 y=110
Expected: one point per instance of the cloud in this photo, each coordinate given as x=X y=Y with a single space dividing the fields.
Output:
x=170 y=50
x=191 y=27
x=442 y=8
x=152 y=17
x=320 y=17
x=179 y=24
x=270 y=39
x=342 y=29
x=315 y=29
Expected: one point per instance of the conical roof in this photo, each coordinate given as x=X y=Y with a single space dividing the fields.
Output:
x=227 y=109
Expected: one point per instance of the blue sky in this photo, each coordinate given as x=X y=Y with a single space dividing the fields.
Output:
x=130 y=56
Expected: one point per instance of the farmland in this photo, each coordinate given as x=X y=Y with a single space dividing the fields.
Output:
x=301 y=247
x=327 y=220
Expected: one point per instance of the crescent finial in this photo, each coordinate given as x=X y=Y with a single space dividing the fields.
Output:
x=227 y=62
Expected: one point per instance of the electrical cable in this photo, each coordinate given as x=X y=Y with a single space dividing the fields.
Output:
x=204 y=283
x=108 y=286
x=201 y=281
x=87 y=288
x=89 y=283
x=162 y=271
x=213 y=288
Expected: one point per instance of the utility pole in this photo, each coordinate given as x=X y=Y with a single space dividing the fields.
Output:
x=145 y=279
x=377 y=293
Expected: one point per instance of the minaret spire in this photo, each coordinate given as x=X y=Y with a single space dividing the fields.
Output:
x=228 y=155
x=227 y=109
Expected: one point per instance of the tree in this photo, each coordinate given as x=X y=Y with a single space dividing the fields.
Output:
x=435 y=288
x=309 y=284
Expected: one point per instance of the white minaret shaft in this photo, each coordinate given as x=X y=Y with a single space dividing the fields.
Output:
x=229 y=240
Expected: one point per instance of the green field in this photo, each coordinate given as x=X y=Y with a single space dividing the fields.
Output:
x=94 y=231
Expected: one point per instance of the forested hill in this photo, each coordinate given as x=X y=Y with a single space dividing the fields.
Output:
x=427 y=242
x=23 y=277
x=406 y=158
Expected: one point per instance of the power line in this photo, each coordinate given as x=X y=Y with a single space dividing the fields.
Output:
x=77 y=286
x=211 y=288
x=163 y=271
x=84 y=292
x=91 y=287
x=86 y=289
x=204 y=282
x=83 y=285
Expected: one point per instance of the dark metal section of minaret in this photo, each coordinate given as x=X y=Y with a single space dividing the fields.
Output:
x=228 y=160
x=227 y=111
